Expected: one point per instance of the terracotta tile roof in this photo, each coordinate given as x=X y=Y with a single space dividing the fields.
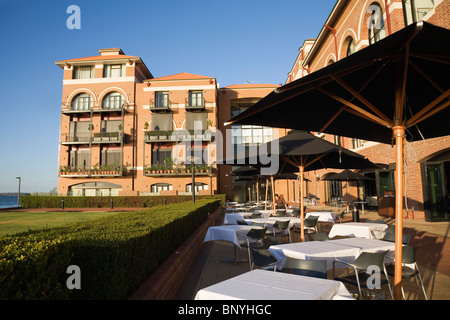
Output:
x=251 y=85
x=182 y=76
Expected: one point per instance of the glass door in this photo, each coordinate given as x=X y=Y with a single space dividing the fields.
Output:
x=435 y=192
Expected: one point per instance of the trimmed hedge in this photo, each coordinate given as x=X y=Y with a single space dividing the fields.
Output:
x=29 y=202
x=115 y=254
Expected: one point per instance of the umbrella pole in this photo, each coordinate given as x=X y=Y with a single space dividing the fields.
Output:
x=257 y=191
x=302 y=213
x=399 y=135
x=267 y=194
x=273 y=197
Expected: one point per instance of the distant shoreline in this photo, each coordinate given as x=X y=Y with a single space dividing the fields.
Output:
x=14 y=194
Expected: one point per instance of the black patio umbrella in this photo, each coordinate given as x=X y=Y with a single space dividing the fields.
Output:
x=346 y=175
x=394 y=89
x=301 y=151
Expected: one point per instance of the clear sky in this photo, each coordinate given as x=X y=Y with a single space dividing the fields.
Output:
x=235 y=41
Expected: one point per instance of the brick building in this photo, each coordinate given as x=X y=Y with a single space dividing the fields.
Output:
x=125 y=132
x=427 y=168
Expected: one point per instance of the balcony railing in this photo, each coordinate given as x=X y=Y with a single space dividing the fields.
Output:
x=119 y=108
x=87 y=137
x=177 y=170
x=101 y=171
x=176 y=135
x=160 y=107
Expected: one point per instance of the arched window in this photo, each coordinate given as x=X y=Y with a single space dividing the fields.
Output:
x=198 y=186
x=82 y=101
x=350 y=46
x=157 y=187
x=375 y=23
x=113 y=100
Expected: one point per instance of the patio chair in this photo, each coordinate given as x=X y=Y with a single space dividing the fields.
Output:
x=390 y=235
x=242 y=222
x=296 y=213
x=263 y=259
x=311 y=224
x=409 y=268
x=321 y=236
x=309 y=268
x=257 y=224
x=254 y=239
x=363 y=268
x=255 y=215
x=281 y=229
x=281 y=212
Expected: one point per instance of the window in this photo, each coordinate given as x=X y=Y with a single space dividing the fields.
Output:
x=196 y=99
x=357 y=143
x=83 y=72
x=350 y=47
x=111 y=157
x=198 y=186
x=113 y=70
x=82 y=101
x=337 y=140
x=80 y=159
x=198 y=119
x=376 y=23
x=113 y=100
x=157 y=187
x=161 y=122
x=160 y=154
x=415 y=10
x=162 y=99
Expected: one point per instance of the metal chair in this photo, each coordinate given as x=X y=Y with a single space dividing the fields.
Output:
x=242 y=222
x=309 y=268
x=390 y=235
x=321 y=236
x=254 y=239
x=364 y=266
x=281 y=229
x=263 y=258
x=409 y=268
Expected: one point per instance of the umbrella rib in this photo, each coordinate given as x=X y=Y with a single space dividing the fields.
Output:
x=359 y=110
x=419 y=115
x=429 y=114
x=360 y=98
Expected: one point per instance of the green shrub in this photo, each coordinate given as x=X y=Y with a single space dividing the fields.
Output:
x=115 y=254
x=29 y=202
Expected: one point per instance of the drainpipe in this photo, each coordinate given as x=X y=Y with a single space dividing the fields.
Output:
x=335 y=41
x=388 y=17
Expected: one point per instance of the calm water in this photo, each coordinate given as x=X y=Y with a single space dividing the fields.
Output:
x=8 y=201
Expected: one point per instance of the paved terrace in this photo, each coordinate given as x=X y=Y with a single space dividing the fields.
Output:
x=433 y=259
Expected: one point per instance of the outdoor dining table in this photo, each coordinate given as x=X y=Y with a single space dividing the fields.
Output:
x=315 y=250
x=271 y=220
x=261 y=284
x=227 y=233
x=265 y=213
x=231 y=218
x=324 y=216
x=358 y=230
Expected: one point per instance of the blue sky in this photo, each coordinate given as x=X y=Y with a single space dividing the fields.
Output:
x=233 y=41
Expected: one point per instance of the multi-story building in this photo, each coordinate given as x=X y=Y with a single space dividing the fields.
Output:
x=351 y=26
x=124 y=132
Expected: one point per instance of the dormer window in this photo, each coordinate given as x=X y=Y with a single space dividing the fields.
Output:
x=83 y=72
x=113 y=70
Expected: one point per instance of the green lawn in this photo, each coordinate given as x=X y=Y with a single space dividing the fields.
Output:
x=14 y=222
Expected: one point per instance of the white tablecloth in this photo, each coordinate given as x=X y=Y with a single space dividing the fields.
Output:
x=231 y=218
x=227 y=233
x=271 y=220
x=316 y=250
x=368 y=245
x=265 y=213
x=359 y=230
x=268 y=285
x=323 y=216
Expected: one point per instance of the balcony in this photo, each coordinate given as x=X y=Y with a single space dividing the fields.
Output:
x=171 y=170
x=101 y=171
x=176 y=135
x=160 y=106
x=107 y=137
x=66 y=109
x=86 y=138
x=195 y=104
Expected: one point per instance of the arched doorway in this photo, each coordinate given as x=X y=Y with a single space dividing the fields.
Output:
x=94 y=188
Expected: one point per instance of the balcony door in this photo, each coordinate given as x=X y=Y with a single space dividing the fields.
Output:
x=436 y=190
